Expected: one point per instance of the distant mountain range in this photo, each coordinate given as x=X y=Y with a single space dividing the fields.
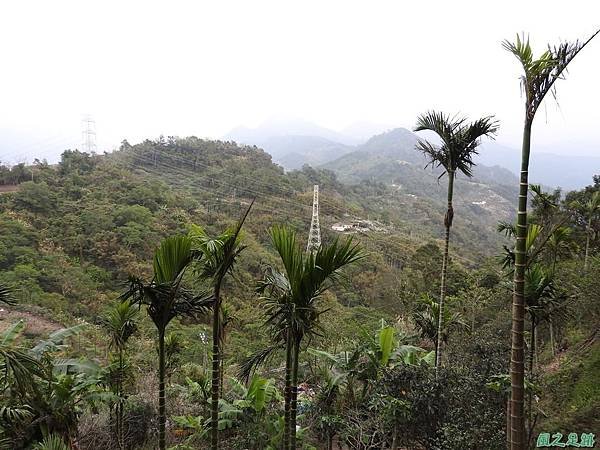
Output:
x=293 y=143
x=568 y=172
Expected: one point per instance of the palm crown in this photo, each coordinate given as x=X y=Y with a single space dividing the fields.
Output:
x=164 y=296
x=539 y=75
x=460 y=140
x=291 y=297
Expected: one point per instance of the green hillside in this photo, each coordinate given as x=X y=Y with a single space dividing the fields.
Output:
x=73 y=234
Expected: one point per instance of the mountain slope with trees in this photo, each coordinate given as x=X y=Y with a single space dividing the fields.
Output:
x=75 y=232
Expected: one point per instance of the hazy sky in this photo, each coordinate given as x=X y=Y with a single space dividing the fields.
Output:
x=202 y=67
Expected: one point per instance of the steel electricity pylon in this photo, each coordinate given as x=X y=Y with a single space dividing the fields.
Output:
x=314 y=235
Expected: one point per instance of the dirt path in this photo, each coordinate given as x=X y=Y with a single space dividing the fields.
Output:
x=36 y=323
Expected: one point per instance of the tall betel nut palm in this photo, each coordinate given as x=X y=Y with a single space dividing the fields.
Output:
x=291 y=299
x=459 y=142
x=214 y=259
x=120 y=324
x=165 y=298
x=537 y=80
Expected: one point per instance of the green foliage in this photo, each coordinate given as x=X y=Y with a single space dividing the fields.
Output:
x=74 y=233
x=52 y=442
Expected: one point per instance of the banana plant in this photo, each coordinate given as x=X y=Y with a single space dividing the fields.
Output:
x=44 y=391
x=365 y=363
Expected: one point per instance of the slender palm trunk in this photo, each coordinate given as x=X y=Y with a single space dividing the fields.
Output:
x=216 y=374
x=532 y=358
x=532 y=342
x=162 y=411
x=294 y=396
x=448 y=225
x=552 y=345
x=517 y=362
x=587 y=243
x=508 y=423
x=288 y=391
x=120 y=432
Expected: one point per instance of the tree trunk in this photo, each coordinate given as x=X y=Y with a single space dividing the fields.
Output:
x=532 y=341
x=517 y=362
x=216 y=374
x=532 y=351
x=162 y=412
x=552 y=346
x=120 y=432
x=587 y=243
x=395 y=438
x=294 y=396
x=508 y=423
x=448 y=225
x=287 y=392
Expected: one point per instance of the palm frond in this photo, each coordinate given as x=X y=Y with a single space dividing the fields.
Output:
x=6 y=295
x=120 y=322
x=171 y=259
x=215 y=257
x=460 y=140
x=539 y=75
x=257 y=359
x=509 y=229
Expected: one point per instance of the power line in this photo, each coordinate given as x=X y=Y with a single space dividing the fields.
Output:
x=287 y=191
x=185 y=172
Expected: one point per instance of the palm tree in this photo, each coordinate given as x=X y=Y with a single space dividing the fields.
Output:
x=460 y=140
x=591 y=208
x=537 y=80
x=215 y=258
x=120 y=322
x=560 y=244
x=165 y=298
x=427 y=317
x=291 y=302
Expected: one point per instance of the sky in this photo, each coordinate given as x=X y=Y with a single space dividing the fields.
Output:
x=142 y=69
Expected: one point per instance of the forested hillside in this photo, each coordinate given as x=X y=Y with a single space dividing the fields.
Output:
x=78 y=235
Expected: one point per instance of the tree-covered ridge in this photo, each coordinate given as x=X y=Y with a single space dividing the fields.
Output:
x=73 y=236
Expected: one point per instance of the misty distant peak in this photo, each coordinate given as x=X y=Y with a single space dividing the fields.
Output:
x=278 y=126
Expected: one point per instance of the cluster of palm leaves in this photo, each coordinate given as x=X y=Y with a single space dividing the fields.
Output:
x=166 y=297
x=43 y=393
x=459 y=142
x=290 y=297
x=292 y=307
x=120 y=323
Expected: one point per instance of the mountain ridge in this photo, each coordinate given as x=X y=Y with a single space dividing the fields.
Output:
x=293 y=143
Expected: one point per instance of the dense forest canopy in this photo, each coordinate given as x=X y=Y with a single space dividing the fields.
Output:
x=74 y=233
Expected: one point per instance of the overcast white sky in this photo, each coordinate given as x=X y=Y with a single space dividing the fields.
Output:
x=202 y=67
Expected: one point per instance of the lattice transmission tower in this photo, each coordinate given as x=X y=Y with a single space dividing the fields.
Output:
x=314 y=235
x=88 y=135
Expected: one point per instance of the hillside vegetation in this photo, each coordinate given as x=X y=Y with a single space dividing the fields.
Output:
x=74 y=233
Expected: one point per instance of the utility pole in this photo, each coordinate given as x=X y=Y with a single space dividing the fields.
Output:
x=88 y=135
x=314 y=235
